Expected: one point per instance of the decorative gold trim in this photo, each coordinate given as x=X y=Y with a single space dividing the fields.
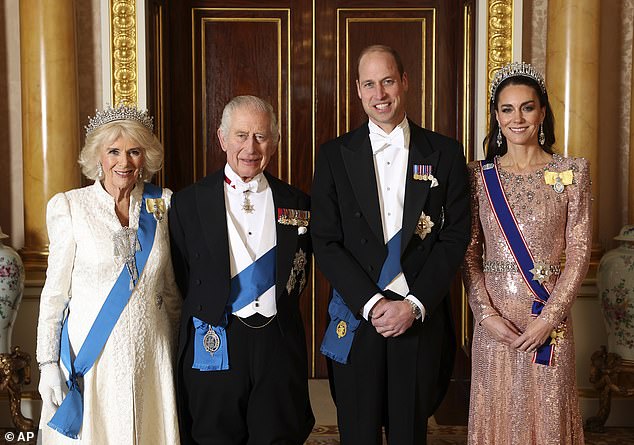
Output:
x=289 y=96
x=499 y=36
x=159 y=120
x=467 y=116
x=25 y=395
x=467 y=82
x=313 y=142
x=123 y=31
x=276 y=20
x=423 y=21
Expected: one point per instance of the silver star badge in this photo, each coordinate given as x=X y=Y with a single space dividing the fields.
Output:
x=540 y=272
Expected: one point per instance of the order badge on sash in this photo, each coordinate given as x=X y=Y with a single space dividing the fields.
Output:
x=211 y=341
x=209 y=352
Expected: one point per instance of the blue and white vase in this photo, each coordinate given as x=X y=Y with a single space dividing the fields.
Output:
x=615 y=280
x=11 y=289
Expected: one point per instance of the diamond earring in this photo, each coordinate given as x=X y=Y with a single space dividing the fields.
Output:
x=99 y=170
x=499 y=138
x=542 y=136
x=140 y=174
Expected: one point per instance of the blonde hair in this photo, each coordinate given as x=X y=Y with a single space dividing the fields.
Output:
x=110 y=132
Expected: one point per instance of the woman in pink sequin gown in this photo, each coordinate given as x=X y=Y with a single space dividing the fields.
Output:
x=513 y=400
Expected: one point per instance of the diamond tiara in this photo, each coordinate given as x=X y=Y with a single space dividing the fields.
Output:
x=515 y=69
x=119 y=113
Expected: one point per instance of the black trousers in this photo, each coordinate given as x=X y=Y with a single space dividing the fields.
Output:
x=261 y=400
x=388 y=382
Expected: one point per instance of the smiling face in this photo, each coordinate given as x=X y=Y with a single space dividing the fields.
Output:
x=121 y=162
x=249 y=142
x=382 y=89
x=519 y=115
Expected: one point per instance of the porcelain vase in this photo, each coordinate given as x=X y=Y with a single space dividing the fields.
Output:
x=11 y=289
x=615 y=280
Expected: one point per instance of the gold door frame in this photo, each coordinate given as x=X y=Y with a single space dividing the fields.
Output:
x=125 y=44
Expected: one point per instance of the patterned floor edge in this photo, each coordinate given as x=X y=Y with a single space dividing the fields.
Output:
x=457 y=435
x=438 y=435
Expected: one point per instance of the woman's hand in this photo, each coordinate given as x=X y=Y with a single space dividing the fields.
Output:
x=51 y=384
x=501 y=329
x=535 y=335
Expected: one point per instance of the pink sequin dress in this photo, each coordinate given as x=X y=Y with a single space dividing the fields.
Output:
x=514 y=401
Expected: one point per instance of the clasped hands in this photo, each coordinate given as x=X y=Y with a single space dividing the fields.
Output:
x=506 y=332
x=391 y=318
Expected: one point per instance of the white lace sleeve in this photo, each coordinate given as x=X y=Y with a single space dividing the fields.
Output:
x=56 y=292
x=171 y=294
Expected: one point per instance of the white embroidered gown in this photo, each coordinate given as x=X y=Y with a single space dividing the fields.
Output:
x=129 y=395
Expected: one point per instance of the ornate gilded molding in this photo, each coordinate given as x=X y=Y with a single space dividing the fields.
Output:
x=467 y=124
x=124 y=51
x=499 y=36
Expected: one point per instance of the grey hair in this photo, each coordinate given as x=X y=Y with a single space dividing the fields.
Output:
x=110 y=132
x=252 y=102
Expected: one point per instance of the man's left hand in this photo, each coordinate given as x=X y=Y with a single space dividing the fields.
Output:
x=392 y=318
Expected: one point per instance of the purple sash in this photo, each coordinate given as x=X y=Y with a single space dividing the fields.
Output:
x=519 y=248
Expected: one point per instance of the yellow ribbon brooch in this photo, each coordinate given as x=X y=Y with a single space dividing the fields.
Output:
x=156 y=206
x=558 y=179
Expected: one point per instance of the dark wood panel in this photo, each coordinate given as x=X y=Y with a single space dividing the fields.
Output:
x=409 y=32
x=301 y=56
x=256 y=47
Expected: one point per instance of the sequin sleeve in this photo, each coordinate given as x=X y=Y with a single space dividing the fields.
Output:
x=578 y=243
x=472 y=272
x=56 y=292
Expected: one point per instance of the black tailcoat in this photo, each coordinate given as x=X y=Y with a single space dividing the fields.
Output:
x=350 y=250
x=200 y=252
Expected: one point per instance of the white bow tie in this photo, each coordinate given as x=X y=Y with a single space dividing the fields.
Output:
x=381 y=140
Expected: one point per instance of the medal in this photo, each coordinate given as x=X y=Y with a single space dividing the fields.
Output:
x=423 y=226
x=342 y=329
x=155 y=206
x=556 y=335
x=558 y=179
x=424 y=172
x=293 y=217
x=246 y=204
x=211 y=341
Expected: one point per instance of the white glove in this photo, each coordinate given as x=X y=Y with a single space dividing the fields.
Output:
x=51 y=384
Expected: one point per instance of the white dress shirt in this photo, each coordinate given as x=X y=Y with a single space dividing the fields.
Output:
x=251 y=234
x=390 y=153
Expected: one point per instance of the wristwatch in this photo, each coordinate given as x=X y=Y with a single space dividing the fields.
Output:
x=415 y=310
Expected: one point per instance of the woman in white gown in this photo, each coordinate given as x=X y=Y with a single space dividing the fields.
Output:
x=99 y=253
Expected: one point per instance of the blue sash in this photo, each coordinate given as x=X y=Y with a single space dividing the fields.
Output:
x=246 y=286
x=519 y=248
x=69 y=416
x=343 y=324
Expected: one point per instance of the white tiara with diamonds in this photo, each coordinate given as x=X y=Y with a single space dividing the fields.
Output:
x=515 y=69
x=119 y=113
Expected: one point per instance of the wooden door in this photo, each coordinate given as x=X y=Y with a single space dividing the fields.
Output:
x=301 y=57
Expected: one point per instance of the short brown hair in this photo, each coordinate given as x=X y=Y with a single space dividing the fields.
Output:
x=382 y=49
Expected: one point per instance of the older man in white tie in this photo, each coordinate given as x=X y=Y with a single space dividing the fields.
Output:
x=241 y=252
x=390 y=225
